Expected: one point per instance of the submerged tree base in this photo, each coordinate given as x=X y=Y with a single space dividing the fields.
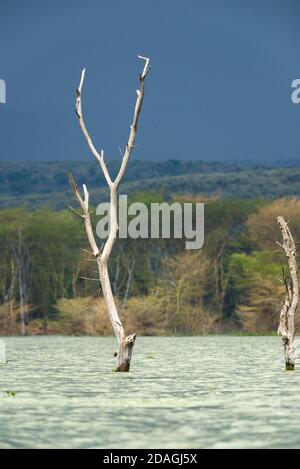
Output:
x=289 y=366
x=125 y=352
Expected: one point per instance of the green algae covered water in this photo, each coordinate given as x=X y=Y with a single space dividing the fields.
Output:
x=182 y=392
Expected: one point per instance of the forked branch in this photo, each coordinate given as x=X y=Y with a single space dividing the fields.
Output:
x=133 y=128
x=84 y=203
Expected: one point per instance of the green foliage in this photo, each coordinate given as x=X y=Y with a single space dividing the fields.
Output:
x=231 y=284
x=255 y=280
x=245 y=268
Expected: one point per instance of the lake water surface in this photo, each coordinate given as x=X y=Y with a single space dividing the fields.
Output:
x=185 y=392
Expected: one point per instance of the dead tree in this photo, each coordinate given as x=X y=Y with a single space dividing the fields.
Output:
x=125 y=342
x=287 y=314
x=21 y=261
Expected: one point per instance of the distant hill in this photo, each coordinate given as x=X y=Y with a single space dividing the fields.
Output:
x=33 y=184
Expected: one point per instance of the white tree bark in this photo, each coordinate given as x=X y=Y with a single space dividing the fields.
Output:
x=126 y=343
x=287 y=314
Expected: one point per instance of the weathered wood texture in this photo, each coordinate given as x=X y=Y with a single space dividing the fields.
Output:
x=287 y=314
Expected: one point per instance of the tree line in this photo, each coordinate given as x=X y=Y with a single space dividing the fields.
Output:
x=36 y=184
x=232 y=284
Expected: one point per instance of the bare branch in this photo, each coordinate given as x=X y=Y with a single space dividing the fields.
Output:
x=88 y=224
x=85 y=250
x=75 y=189
x=75 y=211
x=120 y=150
x=97 y=155
x=89 y=278
x=146 y=67
x=86 y=198
x=133 y=127
x=279 y=244
x=84 y=202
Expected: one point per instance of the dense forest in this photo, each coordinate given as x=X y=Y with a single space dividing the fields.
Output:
x=232 y=284
x=36 y=184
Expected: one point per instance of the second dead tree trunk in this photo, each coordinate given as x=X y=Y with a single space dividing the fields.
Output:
x=287 y=314
x=22 y=264
x=23 y=280
x=125 y=342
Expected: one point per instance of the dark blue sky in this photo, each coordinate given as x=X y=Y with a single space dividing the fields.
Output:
x=219 y=87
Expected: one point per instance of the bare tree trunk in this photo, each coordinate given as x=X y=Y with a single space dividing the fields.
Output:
x=21 y=260
x=129 y=279
x=9 y=295
x=126 y=343
x=45 y=320
x=75 y=275
x=22 y=308
x=287 y=314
